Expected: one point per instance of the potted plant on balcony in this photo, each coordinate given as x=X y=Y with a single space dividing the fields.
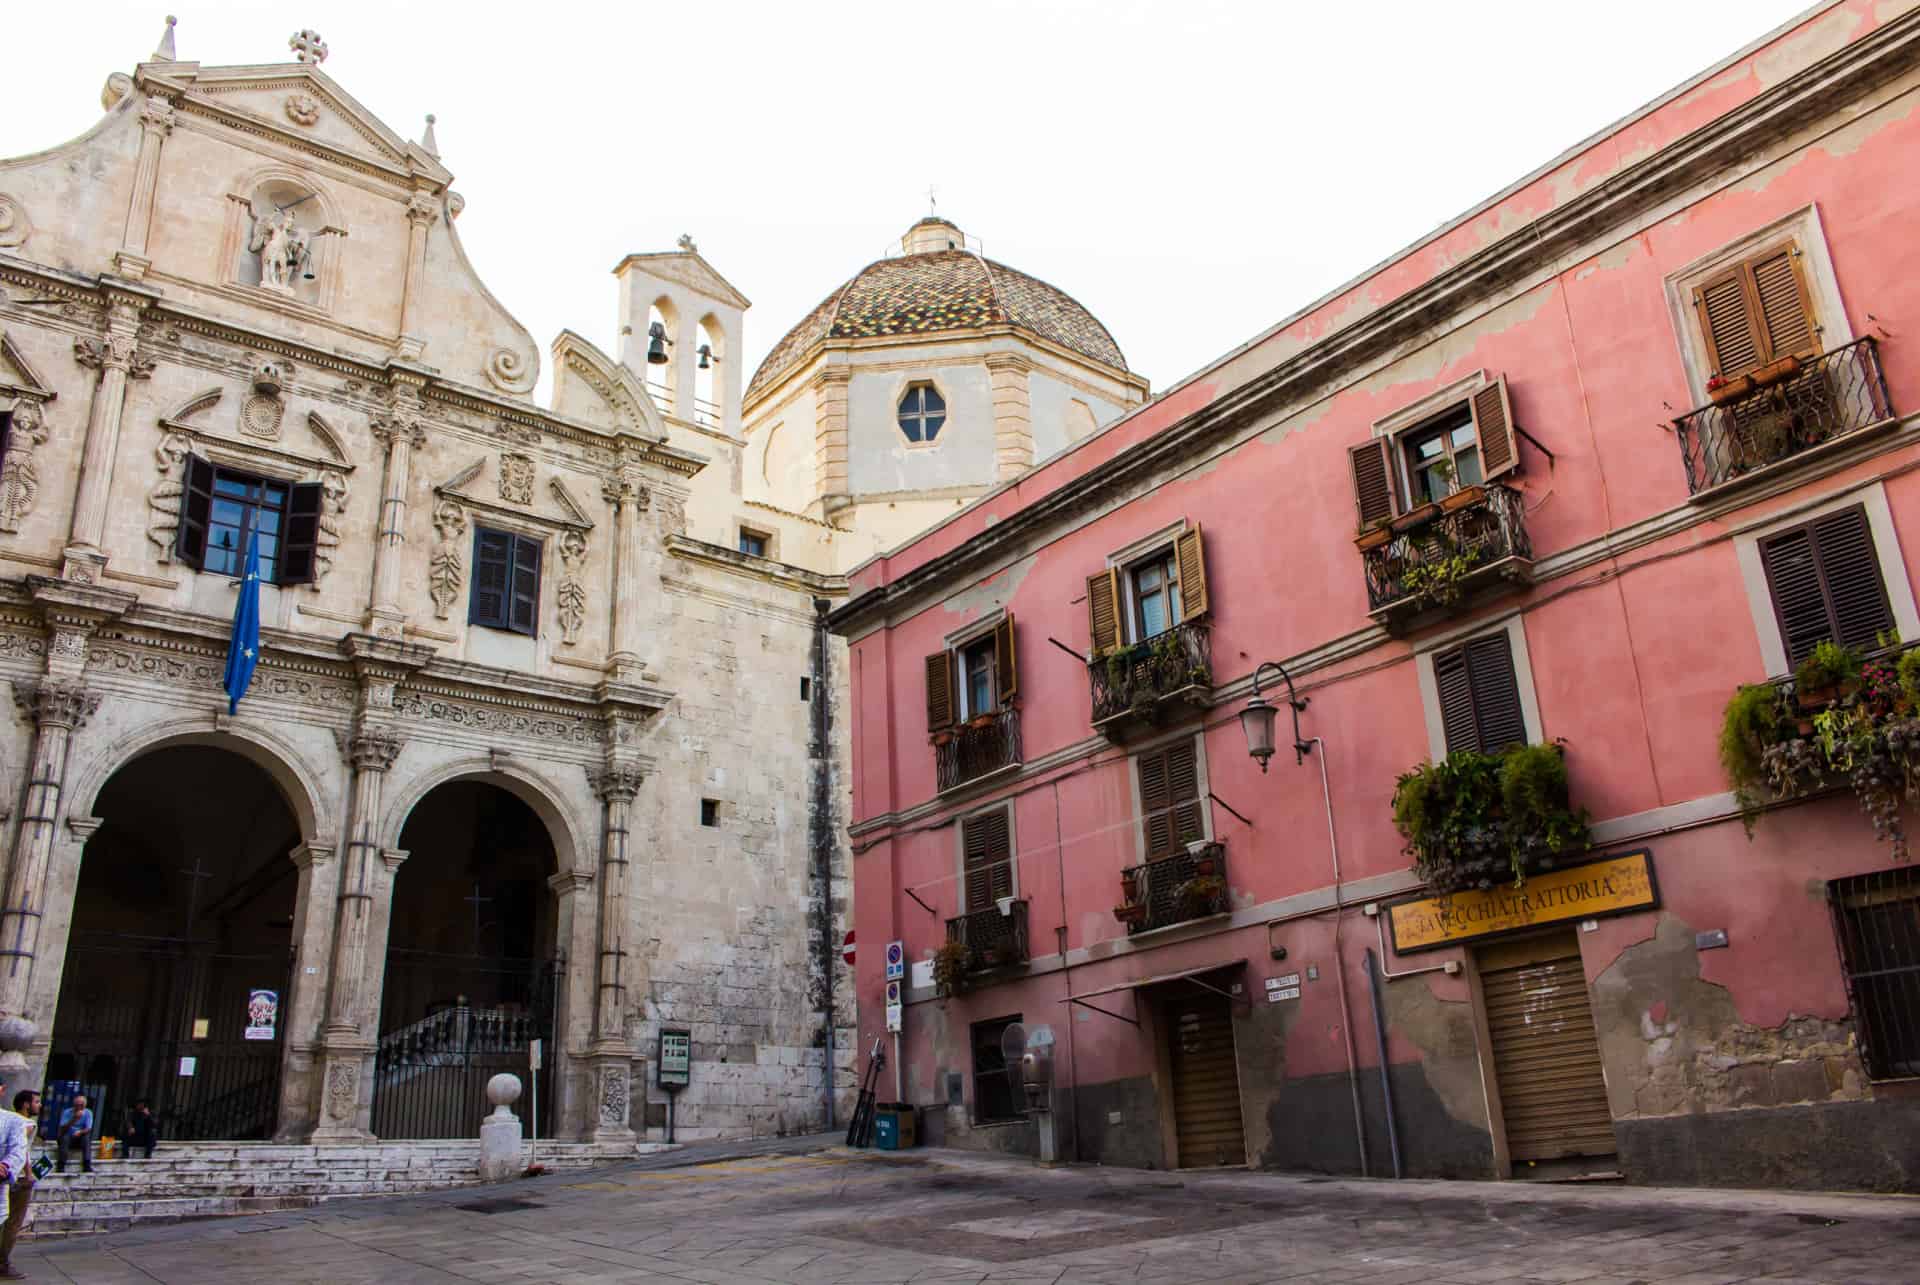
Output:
x=1206 y=858
x=1415 y=518
x=1828 y=669
x=1721 y=390
x=1202 y=895
x=1441 y=580
x=1776 y=371
x=1373 y=534
x=1131 y=913
x=951 y=964
x=1751 y=723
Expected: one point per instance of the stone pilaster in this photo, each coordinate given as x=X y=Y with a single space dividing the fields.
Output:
x=422 y=209
x=313 y=902
x=118 y=359
x=400 y=433
x=616 y=786
x=156 y=122
x=830 y=449
x=1009 y=374
x=626 y=492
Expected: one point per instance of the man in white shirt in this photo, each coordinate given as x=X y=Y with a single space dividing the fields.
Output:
x=13 y=1159
x=26 y=1109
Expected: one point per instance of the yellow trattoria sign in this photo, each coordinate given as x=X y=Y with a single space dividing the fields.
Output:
x=1614 y=886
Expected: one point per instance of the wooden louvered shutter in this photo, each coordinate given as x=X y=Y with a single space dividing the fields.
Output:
x=298 y=564
x=196 y=511
x=1373 y=488
x=1793 y=578
x=492 y=561
x=987 y=854
x=526 y=586
x=1156 y=804
x=1825 y=582
x=1727 y=322
x=1480 y=696
x=1103 y=610
x=1785 y=313
x=1493 y=422
x=1006 y=666
x=940 y=709
x=1183 y=792
x=1191 y=558
x=1496 y=693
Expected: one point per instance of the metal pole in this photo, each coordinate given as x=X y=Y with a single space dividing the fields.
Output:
x=1386 y=1080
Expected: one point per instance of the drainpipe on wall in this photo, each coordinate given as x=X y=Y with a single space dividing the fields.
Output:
x=820 y=829
x=1386 y=1081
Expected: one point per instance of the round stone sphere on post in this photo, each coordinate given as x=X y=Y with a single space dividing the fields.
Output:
x=503 y=1091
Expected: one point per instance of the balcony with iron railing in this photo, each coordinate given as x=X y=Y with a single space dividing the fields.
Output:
x=1174 y=889
x=1781 y=411
x=976 y=748
x=1143 y=684
x=996 y=936
x=1438 y=556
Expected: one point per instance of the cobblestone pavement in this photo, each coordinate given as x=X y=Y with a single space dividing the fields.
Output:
x=826 y=1215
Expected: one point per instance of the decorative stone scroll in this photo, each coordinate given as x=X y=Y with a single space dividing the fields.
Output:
x=15 y=226
x=613 y=1095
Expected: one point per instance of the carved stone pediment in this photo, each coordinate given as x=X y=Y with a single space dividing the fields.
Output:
x=18 y=378
x=588 y=385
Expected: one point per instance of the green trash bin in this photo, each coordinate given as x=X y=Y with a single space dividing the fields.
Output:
x=886 y=1127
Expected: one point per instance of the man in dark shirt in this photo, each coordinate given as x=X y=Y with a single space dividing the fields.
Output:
x=142 y=1130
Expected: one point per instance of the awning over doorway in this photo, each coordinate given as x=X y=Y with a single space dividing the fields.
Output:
x=1184 y=975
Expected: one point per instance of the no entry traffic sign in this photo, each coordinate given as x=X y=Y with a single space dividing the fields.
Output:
x=846 y=948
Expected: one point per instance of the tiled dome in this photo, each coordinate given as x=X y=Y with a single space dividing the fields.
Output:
x=940 y=290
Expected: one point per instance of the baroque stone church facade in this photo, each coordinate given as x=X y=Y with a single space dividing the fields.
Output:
x=538 y=748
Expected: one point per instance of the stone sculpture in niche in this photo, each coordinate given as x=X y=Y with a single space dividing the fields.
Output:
x=163 y=523
x=281 y=245
x=572 y=596
x=443 y=572
x=333 y=494
x=20 y=476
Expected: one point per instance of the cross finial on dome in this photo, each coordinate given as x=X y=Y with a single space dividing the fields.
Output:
x=163 y=52
x=307 y=46
x=686 y=243
x=428 y=143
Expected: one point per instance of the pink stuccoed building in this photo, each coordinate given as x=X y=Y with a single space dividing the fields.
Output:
x=1515 y=516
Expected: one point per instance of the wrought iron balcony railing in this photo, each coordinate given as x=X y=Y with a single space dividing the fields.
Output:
x=1780 y=411
x=1175 y=889
x=1135 y=682
x=1435 y=559
x=976 y=747
x=997 y=940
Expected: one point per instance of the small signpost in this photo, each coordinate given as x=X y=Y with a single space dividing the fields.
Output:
x=846 y=949
x=896 y=960
x=893 y=1005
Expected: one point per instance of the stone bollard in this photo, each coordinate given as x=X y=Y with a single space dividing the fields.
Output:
x=500 y=1132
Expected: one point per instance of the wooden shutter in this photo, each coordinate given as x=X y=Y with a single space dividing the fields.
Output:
x=526 y=586
x=1156 y=816
x=1006 y=666
x=1824 y=578
x=492 y=561
x=1373 y=488
x=298 y=561
x=940 y=706
x=1480 y=696
x=1493 y=422
x=1170 y=799
x=1784 y=312
x=987 y=856
x=196 y=511
x=1726 y=320
x=1191 y=557
x=1103 y=610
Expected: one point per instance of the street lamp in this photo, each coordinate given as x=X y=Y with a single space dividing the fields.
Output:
x=1256 y=720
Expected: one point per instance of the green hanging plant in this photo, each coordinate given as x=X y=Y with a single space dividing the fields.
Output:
x=951 y=965
x=1472 y=820
x=1750 y=724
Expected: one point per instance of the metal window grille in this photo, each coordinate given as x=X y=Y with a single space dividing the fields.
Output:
x=1877 y=921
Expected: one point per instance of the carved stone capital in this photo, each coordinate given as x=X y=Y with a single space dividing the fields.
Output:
x=622 y=489
x=114 y=352
x=569 y=881
x=1013 y=361
x=422 y=209
x=156 y=117
x=312 y=854
x=53 y=702
x=373 y=751
x=618 y=783
x=404 y=428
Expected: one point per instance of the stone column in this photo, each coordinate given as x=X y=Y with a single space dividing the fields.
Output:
x=307 y=995
x=58 y=706
x=830 y=439
x=616 y=785
x=156 y=122
x=362 y=905
x=117 y=358
x=628 y=496
x=1012 y=413
x=400 y=433
x=575 y=1109
x=422 y=209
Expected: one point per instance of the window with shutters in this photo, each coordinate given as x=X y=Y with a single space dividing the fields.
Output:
x=506 y=581
x=1462 y=436
x=221 y=509
x=1756 y=311
x=1479 y=695
x=1172 y=814
x=1825 y=581
x=971 y=718
x=986 y=859
x=994 y=1098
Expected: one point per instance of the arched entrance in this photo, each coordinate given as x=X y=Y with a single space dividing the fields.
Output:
x=179 y=954
x=472 y=970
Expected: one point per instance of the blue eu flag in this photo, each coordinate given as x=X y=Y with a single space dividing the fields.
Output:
x=243 y=647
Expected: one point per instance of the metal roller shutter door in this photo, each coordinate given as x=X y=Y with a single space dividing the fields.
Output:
x=1546 y=1055
x=1206 y=1084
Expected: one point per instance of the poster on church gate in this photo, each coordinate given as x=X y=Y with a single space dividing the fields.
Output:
x=263 y=1007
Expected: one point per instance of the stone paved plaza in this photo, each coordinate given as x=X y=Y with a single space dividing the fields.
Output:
x=811 y=1212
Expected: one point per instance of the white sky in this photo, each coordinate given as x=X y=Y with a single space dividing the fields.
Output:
x=1192 y=171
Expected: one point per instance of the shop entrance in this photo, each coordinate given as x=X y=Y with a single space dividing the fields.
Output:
x=1546 y=1057
x=1206 y=1081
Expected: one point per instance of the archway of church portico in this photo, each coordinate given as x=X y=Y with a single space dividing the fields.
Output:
x=176 y=977
x=474 y=961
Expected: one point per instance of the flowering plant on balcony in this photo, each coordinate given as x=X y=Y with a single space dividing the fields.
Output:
x=1472 y=819
x=1842 y=720
x=951 y=964
x=1441 y=581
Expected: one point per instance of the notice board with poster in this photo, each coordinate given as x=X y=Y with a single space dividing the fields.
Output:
x=675 y=1062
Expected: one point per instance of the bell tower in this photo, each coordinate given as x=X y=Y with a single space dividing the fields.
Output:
x=681 y=325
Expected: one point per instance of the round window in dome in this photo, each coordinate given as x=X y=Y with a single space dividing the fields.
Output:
x=922 y=412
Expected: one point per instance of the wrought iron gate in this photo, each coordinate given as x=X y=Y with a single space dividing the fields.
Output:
x=430 y=1075
x=160 y=1019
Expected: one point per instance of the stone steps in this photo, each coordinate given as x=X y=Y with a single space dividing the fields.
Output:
x=210 y=1180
